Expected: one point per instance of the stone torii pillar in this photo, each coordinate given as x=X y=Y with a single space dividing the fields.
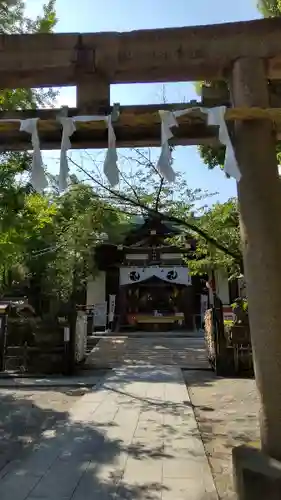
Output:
x=259 y=195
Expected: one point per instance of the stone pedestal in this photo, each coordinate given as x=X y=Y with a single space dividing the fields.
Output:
x=256 y=476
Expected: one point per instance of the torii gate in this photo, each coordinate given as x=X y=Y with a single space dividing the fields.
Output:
x=247 y=55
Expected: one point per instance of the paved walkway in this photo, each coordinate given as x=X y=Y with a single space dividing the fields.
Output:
x=133 y=437
x=154 y=350
x=52 y=382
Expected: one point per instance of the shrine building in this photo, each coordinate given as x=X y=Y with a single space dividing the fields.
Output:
x=151 y=281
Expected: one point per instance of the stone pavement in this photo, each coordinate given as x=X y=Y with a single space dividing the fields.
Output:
x=52 y=382
x=118 y=351
x=132 y=437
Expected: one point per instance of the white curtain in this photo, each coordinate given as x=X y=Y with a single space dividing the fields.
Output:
x=178 y=275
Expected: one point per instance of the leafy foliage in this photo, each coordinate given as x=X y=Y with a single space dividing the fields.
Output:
x=31 y=213
x=14 y=21
x=270 y=8
x=221 y=221
x=214 y=157
x=22 y=212
x=64 y=246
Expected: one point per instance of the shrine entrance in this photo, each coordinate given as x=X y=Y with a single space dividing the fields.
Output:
x=157 y=305
x=150 y=279
x=247 y=56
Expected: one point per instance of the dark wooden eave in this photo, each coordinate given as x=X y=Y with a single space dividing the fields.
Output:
x=144 y=232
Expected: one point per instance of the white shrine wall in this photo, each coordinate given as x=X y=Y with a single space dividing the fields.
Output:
x=222 y=286
x=96 y=291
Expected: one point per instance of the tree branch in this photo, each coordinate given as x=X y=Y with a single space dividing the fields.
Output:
x=131 y=187
x=171 y=218
x=158 y=194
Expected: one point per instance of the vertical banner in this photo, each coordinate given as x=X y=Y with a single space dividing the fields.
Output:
x=111 y=308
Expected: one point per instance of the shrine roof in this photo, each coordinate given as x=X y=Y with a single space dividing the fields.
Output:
x=150 y=228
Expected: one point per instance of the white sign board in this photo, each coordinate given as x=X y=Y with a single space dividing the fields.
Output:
x=100 y=314
x=66 y=334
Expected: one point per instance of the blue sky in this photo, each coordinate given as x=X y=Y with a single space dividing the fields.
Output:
x=127 y=15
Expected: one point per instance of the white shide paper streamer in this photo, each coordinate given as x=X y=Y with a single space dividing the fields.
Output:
x=68 y=127
x=110 y=164
x=38 y=177
x=110 y=167
x=215 y=116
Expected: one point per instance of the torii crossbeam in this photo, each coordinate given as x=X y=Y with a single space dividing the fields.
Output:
x=92 y=62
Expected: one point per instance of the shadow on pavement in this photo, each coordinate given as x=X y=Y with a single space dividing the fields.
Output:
x=55 y=457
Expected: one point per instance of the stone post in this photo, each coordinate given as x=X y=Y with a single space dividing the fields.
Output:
x=93 y=95
x=259 y=194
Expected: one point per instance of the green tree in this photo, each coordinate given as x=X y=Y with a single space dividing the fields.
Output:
x=31 y=212
x=14 y=21
x=60 y=255
x=214 y=156
x=221 y=221
x=16 y=193
x=269 y=8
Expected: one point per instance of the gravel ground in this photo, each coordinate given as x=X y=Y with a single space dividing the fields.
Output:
x=227 y=414
x=26 y=413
